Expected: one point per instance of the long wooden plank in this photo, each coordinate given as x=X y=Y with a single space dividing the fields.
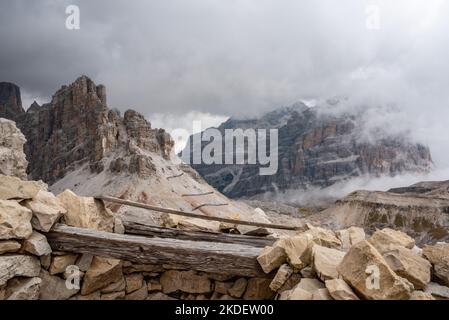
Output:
x=193 y=215
x=132 y=227
x=211 y=257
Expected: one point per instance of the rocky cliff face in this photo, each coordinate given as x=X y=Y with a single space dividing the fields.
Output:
x=77 y=127
x=12 y=157
x=76 y=142
x=421 y=210
x=10 y=101
x=316 y=149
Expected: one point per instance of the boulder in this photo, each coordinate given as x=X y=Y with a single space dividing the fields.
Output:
x=15 y=221
x=185 y=281
x=386 y=239
x=296 y=294
x=291 y=282
x=84 y=262
x=339 y=290
x=102 y=272
x=37 y=244
x=308 y=272
x=438 y=255
x=322 y=294
x=282 y=275
x=350 y=237
x=367 y=272
x=140 y=294
x=437 y=290
x=133 y=282
x=323 y=237
x=9 y=246
x=12 y=188
x=222 y=287
x=118 y=286
x=55 y=288
x=238 y=288
x=325 y=262
x=46 y=208
x=23 y=289
x=59 y=264
x=310 y=285
x=45 y=261
x=297 y=249
x=258 y=289
x=420 y=295
x=86 y=212
x=410 y=266
x=271 y=257
x=154 y=285
x=18 y=266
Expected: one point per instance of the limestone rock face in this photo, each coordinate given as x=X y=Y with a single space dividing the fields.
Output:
x=386 y=239
x=12 y=188
x=23 y=289
x=339 y=290
x=15 y=221
x=10 y=101
x=323 y=237
x=410 y=266
x=238 y=288
x=258 y=289
x=37 y=244
x=271 y=258
x=12 y=158
x=420 y=295
x=282 y=275
x=102 y=272
x=350 y=237
x=185 y=281
x=437 y=290
x=418 y=210
x=366 y=271
x=315 y=149
x=78 y=127
x=86 y=212
x=140 y=294
x=46 y=208
x=55 y=288
x=59 y=264
x=18 y=266
x=438 y=255
x=296 y=294
x=326 y=261
x=297 y=249
x=133 y=282
x=9 y=246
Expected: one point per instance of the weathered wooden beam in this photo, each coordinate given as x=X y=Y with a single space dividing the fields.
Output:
x=132 y=227
x=211 y=257
x=193 y=215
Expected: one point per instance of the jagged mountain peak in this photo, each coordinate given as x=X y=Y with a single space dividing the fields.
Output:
x=317 y=149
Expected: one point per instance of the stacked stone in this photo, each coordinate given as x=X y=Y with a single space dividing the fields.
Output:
x=320 y=264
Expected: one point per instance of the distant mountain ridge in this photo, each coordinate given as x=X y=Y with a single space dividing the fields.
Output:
x=316 y=149
x=76 y=142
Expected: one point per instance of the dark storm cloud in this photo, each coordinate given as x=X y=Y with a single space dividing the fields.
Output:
x=239 y=57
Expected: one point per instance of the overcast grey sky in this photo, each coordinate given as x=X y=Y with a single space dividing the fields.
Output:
x=174 y=60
